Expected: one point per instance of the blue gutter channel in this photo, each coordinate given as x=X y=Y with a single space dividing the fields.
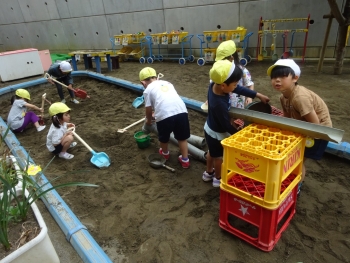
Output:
x=76 y=233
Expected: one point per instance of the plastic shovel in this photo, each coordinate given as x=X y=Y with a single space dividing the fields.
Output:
x=260 y=55
x=140 y=100
x=131 y=125
x=41 y=119
x=77 y=92
x=291 y=52
x=264 y=52
x=285 y=52
x=99 y=159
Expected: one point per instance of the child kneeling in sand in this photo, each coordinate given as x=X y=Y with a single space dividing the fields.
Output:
x=170 y=113
x=300 y=103
x=59 y=140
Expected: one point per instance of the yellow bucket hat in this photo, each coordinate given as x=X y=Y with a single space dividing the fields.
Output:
x=22 y=93
x=58 y=107
x=147 y=72
x=221 y=71
x=225 y=49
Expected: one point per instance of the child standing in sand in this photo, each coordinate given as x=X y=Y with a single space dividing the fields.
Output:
x=19 y=118
x=59 y=140
x=300 y=103
x=225 y=76
x=170 y=113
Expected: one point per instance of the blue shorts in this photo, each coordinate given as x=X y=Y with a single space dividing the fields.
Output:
x=178 y=124
x=58 y=149
x=214 y=146
x=316 y=151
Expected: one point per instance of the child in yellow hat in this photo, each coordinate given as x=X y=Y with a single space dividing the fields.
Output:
x=19 y=117
x=225 y=76
x=170 y=113
x=59 y=139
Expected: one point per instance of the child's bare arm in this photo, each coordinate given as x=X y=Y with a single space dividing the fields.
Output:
x=262 y=97
x=149 y=115
x=31 y=106
x=312 y=117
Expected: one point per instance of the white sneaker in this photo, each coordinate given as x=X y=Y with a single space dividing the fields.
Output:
x=216 y=182
x=207 y=177
x=40 y=128
x=66 y=156
x=63 y=101
x=72 y=145
x=74 y=101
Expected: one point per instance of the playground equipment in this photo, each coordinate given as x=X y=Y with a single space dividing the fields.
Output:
x=174 y=38
x=238 y=35
x=268 y=27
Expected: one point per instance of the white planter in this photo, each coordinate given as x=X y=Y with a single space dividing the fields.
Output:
x=39 y=249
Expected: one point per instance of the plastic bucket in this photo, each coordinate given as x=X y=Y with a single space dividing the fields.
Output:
x=142 y=139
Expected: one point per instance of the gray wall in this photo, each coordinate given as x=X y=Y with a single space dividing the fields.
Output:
x=67 y=25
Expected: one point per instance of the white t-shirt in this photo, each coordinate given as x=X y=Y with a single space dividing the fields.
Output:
x=16 y=115
x=55 y=135
x=163 y=98
x=238 y=101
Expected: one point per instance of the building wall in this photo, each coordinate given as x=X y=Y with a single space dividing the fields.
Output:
x=68 y=25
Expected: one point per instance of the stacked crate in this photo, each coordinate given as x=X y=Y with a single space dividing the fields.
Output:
x=261 y=170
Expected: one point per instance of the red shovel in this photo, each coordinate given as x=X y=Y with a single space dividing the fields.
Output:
x=77 y=92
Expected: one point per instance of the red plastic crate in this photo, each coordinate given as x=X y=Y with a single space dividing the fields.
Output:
x=255 y=224
x=255 y=191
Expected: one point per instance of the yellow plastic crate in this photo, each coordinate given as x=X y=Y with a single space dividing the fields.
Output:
x=118 y=39
x=210 y=36
x=166 y=38
x=264 y=154
x=209 y=54
x=222 y=35
x=126 y=39
x=136 y=38
x=156 y=38
x=237 y=35
x=177 y=37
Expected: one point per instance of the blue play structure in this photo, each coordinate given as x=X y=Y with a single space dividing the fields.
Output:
x=181 y=57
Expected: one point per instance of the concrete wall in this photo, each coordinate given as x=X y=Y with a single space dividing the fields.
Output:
x=67 y=25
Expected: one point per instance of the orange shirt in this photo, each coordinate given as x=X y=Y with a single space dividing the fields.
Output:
x=301 y=102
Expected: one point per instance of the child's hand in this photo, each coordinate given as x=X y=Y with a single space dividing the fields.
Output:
x=41 y=109
x=248 y=101
x=70 y=125
x=263 y=98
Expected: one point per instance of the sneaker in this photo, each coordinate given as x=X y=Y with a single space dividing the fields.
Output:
x=66 y=156
x=206 y=177
x=73 y=144
x=184 y=164
x=166 y=156
x=40 y=128
x=63 y=101
x=216 y=182
x=74 y=101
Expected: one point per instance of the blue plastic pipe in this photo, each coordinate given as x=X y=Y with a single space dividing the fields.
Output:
x=75 y=232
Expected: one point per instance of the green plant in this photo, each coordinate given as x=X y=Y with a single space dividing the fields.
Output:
x=14 y=204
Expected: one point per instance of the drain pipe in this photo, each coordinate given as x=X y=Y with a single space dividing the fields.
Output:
x=75 y=232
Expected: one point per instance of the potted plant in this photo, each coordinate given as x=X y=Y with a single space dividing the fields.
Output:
x=18 y=193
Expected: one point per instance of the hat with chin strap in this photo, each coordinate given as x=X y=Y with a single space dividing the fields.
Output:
x=58 y=107
x=65 y=66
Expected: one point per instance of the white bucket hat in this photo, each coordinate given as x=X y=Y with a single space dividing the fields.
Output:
x=286 y=63
x=65 y=66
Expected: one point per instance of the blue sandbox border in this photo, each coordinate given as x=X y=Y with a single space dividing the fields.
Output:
x=75 y=232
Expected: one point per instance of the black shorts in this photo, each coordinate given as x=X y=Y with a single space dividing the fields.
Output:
x=178 y=124
x=316 y=151
x=214 y=146
x=58 y=149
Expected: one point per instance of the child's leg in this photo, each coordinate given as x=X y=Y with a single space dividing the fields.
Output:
x=30 y=117
x=66 y=141
x=210 y=164
x=59 y=90
x=164 y=146
x=217 y=166
x=183 y=149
